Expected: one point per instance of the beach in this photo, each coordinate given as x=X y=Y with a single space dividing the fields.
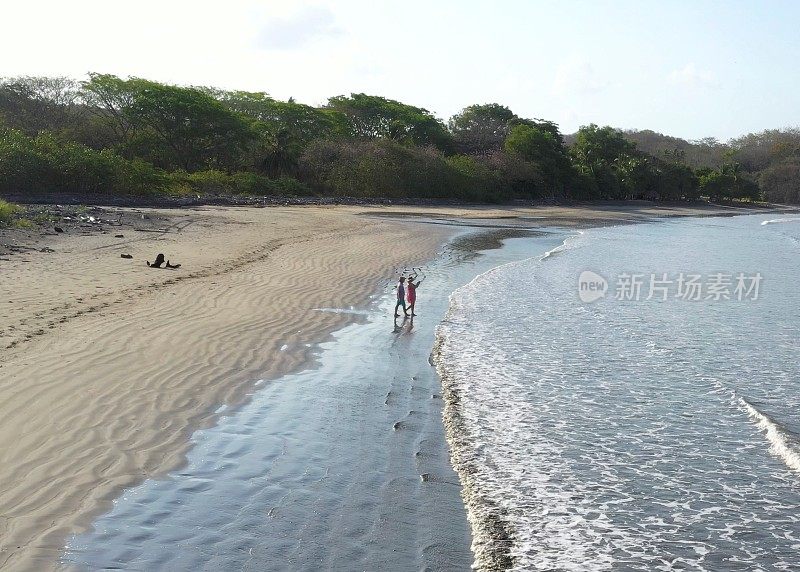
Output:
x=109 y=367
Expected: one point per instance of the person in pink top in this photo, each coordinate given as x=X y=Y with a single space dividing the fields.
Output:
x=411 y=293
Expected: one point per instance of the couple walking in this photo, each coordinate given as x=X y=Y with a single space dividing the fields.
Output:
x=406 y=291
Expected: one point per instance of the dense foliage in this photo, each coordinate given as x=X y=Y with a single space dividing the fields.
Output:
x=134 y=136
x=765 y=164
x=47 y=163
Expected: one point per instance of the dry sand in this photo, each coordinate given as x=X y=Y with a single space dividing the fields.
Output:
x=570 y=216
x=109 y=366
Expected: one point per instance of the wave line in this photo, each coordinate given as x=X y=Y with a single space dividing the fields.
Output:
x=780 y=441
x=778 y=220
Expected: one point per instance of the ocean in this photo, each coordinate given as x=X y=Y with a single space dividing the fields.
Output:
x=631 y=399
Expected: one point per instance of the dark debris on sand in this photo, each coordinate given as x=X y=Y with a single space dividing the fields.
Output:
x=36 y=223
x=177 y=201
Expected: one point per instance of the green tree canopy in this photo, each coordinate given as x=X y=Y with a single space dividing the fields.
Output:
x=284 y=128
x=305 y=122
x=481 y=128
x=187 y=128
x=110 y=99
x=596 y=146
x=728 y=182
x=170 y=126
x=676 y=182
x=106 y=132
x=542 y=146
x=371 y=116
x=608 y=159
x=531 y=143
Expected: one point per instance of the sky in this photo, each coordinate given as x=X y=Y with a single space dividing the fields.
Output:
x=691 y=69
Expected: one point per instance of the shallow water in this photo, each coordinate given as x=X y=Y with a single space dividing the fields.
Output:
x=632 y=435
x=340 y=467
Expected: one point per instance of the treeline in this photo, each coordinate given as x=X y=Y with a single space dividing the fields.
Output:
x=135 y=136
x=770 y=159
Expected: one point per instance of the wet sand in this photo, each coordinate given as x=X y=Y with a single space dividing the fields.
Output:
x=343 y=466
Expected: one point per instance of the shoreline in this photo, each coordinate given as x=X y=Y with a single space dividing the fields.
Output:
x=146 y=435
x=492 y=534
x=87 y=218
x=138 y=372
x=377 y=417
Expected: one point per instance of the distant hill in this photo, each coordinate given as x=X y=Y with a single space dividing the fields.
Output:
x=707 y=152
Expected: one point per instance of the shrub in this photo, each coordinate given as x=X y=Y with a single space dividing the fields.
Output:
x=287 y=186
x=44 y=164
x=218 y=182
x=512 y=177
x=7 y=212
x=383 y=168
x=727 y=183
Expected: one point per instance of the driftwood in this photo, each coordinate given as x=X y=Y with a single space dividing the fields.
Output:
x=159 y=263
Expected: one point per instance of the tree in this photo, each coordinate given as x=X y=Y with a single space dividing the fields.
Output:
x=170 y=126
x=111 y=99
x=514 y=177
x=637 y=177
x=34 y=104
x=284 y=128
x=713 y=183
x=481 y=128
x=305 y=122
x=600 y=145
x=186 y=128
x=756 y=151
x=371 y=117
x=378 y=168
x=706 y=152
x=728 y=182
x=531 y=143
x=676 y=182
x=544 y=148
x=605 y=156
x=780 y=183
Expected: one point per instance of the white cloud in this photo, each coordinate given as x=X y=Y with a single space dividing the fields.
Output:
x=691 y=76
x=299 y=29
x=577 y=77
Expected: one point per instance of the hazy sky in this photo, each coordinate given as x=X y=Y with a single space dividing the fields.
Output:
x=687 y=68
